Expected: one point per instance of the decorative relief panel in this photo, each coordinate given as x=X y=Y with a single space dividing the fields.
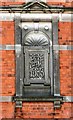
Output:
x=36 y=38
x=36 y=66
x=36 y=45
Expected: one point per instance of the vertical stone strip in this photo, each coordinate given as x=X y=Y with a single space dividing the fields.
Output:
x=19 y=56
x=51 y=68
x=56 y=57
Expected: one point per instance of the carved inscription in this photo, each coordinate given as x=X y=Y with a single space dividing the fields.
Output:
x=36 y=66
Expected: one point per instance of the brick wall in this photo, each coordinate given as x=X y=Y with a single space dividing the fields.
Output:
x=35 y=109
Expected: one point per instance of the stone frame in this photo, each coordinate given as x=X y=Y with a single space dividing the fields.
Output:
x=55 y=80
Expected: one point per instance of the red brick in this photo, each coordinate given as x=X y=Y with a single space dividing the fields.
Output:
x=8 y=73
x=65 y=73
x=8 y=110
x=65 y=33
x=64 y=112
x=35 y=110
x=7 y=32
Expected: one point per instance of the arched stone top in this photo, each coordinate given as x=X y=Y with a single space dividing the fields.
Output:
x=36 y=38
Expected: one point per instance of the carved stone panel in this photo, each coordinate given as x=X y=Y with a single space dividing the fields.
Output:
x=37 y=81
x=36 y=65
